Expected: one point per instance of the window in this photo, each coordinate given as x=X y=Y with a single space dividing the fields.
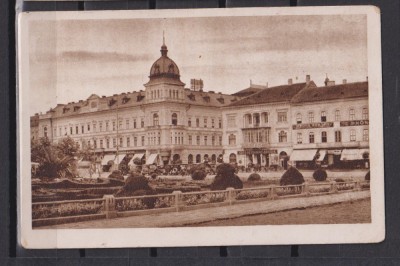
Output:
x=114 y=142
x=159 y=138
x=338 y=136
x=142 y=140
x=45 y=132
x=337 y=115
x=352 y=114
x=352 y=135
x=101 y=126
x=298 y=118
x=299 y=138
x=205 y=122
x=205 y=140
x=190 y=159
x=95 y=144
x=190 y=139
x=94 y=127
x=128 y=141
x=365 y=113
x=70 y=130
x=121 y=142
x=108 y=143
x=174 y=119
x=189 y=122
x=219 y=123
x=311 y=117
x=197 y=122
x=365 y=135
x=60 y=131
x=113 y=126
x=76 y=130
x=107 y=126
x=135 y=141
x=282 y=136
x=213 y=140
x=198 y=158
x=232 y=140
x=142 y=123
x=220 y=140
x=212 y=122
x=198 y=140
x=231 y=123
x=324 y=137
x=155 y=119
x=256 y=120
x=88 y=127
x=127 y=123
x=264 y=117
x=134 y=123
x=311 y=137
x=120 y=124
x=282 y=116
x=323 y=116
x=83 y=129
x=101 y=143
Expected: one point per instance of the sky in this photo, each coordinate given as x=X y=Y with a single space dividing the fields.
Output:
x=71 y=59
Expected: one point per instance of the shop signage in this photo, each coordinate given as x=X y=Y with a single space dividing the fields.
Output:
x=259 y=151
x=313 y=125
x=353 y=123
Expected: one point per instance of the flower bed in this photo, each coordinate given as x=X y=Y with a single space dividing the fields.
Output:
x=291 y=190
x=143 y=203
x=68 y=209
x=245 y=195
x=203 y=198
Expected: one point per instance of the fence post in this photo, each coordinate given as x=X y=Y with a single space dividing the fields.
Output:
x=272 y=193
x=333 y=187
x=230 y=197
x=109 y=206
x=178 y=199
x=305 y=189
x=357 y=186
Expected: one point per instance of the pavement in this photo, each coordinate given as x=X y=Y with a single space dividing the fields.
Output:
x=176 y=219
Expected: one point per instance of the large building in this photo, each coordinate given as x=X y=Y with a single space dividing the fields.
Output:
x=167 y=123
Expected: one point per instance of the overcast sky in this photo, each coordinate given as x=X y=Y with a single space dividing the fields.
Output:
x=70 y=60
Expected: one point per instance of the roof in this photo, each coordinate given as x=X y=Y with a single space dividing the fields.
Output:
x=250 y=90
x=283 y=93
x=209 y=98
x=334 y=92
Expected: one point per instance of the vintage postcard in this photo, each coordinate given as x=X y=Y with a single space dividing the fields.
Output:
x=203 y=127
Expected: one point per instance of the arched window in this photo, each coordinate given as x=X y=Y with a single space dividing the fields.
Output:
x=264 y=117
x=198 y=158
x=174 y=119
x=206 y=158
x=298 y=118
x=45 y=132
x=155 y=120
x=282 y=136
x=232 y=139
x=190 y=159
x=232 y=158
x=171 y=68
x=213 y=158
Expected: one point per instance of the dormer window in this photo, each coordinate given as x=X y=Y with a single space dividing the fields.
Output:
x=156 y=69
x=76 y=108
x=139 y=97
x=125 y=99
x=221 y=100
x=192 y=97
x=206 y=99
x=171 y=68
x=112 y=102
x=65 y=109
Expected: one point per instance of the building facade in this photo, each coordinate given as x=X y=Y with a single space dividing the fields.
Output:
x=166 y=123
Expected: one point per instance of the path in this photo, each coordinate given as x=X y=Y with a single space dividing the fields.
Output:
x=174 y=219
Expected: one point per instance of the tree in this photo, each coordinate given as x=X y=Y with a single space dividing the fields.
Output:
x=69 y=147
x=226 y=177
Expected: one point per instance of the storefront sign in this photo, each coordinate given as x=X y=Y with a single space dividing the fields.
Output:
x=353 y=123
x=313 y=125
x=260 y=151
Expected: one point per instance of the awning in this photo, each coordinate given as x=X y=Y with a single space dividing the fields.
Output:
x=152 y=158
x=352 y=154
x=119 y=158
x=136 y=156
x=303 y=155
x=322 y=154
x=107 y=158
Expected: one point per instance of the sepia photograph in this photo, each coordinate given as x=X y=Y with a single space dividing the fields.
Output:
x=173 y=128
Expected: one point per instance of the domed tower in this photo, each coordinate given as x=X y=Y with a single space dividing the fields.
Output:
x=164 y=83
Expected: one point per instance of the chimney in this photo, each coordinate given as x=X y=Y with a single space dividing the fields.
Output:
x=308 y=78
x=290 y=81
x=344 y=81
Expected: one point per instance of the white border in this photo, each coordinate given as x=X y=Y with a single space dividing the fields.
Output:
x=205 y=236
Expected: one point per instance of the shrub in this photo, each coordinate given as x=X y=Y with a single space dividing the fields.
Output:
x=149 y=202
x=292 y=176
x=199 y=175
x=153 y=176
x=133 y=183
x=226 y=178
x=339 y=180
x=117 y=174
x=320 y=175
x=254 y=177
x=367 y=176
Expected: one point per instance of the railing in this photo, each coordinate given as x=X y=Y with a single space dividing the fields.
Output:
x=49 y=213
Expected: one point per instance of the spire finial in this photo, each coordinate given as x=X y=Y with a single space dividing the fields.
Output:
x=164 y=49
x=163 y=38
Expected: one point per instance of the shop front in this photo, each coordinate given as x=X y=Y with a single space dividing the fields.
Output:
x=261 y=156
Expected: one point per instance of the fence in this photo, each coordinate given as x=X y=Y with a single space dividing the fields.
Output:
x=59 y=212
